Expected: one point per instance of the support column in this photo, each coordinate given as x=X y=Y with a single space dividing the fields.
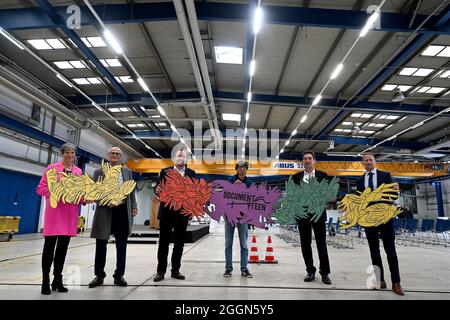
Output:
x=439 y=201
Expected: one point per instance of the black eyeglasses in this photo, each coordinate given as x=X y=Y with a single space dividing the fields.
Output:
x=115 y=153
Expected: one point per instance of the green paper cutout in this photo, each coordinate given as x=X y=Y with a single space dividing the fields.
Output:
x=304 y=199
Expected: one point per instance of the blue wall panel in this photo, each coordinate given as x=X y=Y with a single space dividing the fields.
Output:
x=18 y=198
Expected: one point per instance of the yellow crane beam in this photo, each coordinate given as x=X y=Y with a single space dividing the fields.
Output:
x=333 y=168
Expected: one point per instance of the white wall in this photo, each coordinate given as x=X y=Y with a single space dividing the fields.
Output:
x=96 y=144
x=22 y=149
x=15 y=103
x=20 y=166
x=426 y=207
x=89 y=140
x=446 y=196
x=426 y=200
x=143 y=199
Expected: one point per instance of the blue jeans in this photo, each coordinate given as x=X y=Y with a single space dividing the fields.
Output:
x=229 y=236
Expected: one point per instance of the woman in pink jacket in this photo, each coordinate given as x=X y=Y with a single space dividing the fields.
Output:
x=60 y=223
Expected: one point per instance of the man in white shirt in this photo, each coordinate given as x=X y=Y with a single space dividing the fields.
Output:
x=306 y=225
x=172 y=220
x=372 y=179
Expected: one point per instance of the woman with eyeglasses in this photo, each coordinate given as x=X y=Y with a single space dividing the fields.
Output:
x=60 y=223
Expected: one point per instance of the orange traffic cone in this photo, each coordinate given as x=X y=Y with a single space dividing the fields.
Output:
x=270 y=258
x=254 y=257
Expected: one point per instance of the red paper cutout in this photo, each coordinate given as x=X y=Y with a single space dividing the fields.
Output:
x=187 y=194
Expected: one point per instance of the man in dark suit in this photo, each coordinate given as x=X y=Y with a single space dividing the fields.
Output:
x=117 y=220
x=172 y=220
x=372 y=179
x=305 y=225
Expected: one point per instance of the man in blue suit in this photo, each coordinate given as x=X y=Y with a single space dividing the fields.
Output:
x=372 y=179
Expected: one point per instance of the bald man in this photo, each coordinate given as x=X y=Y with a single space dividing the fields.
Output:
x=116 y=220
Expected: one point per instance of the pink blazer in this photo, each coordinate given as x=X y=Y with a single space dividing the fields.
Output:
x=62 y=220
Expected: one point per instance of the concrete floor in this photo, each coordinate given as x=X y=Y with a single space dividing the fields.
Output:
x=425 y=272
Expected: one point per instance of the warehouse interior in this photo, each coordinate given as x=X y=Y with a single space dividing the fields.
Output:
x=340 y=78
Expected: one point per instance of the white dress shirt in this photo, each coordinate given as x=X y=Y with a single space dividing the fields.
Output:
x=120 y=177
x=307 y=176
x=374 y=179
x=121 y=183
x=182 y=171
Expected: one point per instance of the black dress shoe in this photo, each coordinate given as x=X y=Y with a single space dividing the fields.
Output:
x=178 y=275
x=120 y=282
x=98 y=281
x=45 y=289
x=309 y=277
x=158 y=277
x=59 y=287
x=326 y=279
x=57 y=284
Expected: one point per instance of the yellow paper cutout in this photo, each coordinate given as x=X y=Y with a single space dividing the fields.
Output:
x=71 y=188
x=369 y=208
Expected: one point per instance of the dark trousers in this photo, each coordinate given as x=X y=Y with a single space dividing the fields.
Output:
x=49 y=255
x=178 y=223
x=387 y=234
x=119 y=228
x=304 y=227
